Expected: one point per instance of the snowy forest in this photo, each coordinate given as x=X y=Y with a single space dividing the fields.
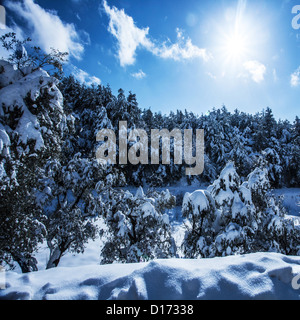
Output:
x=53 y=190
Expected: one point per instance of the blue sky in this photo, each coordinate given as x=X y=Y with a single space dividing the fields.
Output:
x=176 y=54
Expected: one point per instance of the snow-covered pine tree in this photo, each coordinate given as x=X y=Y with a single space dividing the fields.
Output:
x=134 y=111
x=275 y=232
x=32 y=123
x=72 y=198
x=279 y=234
x=238 y=216
x=27 y=59
x=138 y=228
x=210 y=173
x=272 y=162
x=269 y=123
x=201 y=216
x=239 y=153
x=294 y=163
x=259 y=185
x=292 y=159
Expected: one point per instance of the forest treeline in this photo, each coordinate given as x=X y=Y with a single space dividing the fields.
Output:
x=250 y=141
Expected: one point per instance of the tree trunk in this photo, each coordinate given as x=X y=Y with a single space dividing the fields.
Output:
x=26 y=265
x=57 y=253
x=54 y=259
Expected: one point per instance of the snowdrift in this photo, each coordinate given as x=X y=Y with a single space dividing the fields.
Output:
x=253 y=276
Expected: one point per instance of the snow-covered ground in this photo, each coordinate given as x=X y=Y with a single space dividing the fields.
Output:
x=291 y=200
x=253 y=276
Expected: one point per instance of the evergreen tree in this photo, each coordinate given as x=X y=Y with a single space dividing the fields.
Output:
x=272 y=162
x=138 y=228
x=297 y=127
x=32 y=59
x=238 y=219
x=32 y=125
x=275 y=232
x=239 y=154
x=70 y=197
x=201 y=214
x=269 y=123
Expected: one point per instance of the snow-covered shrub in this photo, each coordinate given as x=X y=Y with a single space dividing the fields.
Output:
x=229 y=217
x=238 y=215
x=163 y=199
x=225 y=186
x=275 y=232
x=201 y=214
x=278 y=233
x=139 y=229
x=259 y=186
x=232 y=198
x=232 y=240
x=71 y=198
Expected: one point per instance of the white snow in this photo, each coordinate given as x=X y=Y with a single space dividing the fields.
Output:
x=291 y=200
x=4 y=139
x=197 y=200
x=14 y=90
x=28 y=128
x=257 y=178
x=148 y=210
x=253 y=276
x=8 y=74
x=165 y=219
x=140 y=193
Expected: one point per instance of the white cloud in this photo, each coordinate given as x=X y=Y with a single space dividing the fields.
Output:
x=256 y=70
x=130 y=38
x=183 y=49
x=139 y=75
x=47 y=29
x=93 y=80
x=83 y=77
x=295 y=78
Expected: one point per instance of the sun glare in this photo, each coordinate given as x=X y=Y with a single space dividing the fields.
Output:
x=238 y=37
x=235 y=47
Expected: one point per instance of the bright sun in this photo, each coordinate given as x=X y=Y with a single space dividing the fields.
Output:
x=236 y=37
x=235 y=47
